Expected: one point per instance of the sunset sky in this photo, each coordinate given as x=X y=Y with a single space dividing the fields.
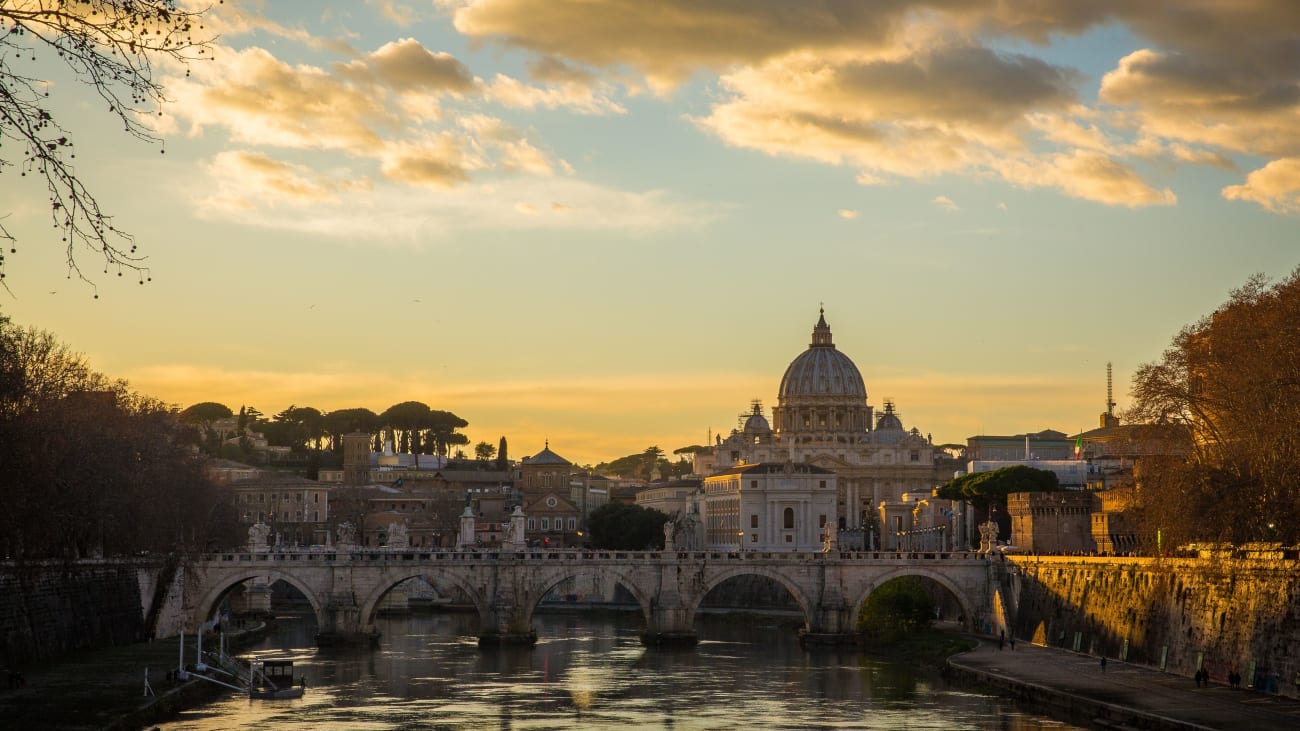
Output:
x=610 y=223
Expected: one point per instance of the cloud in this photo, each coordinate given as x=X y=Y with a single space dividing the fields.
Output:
x=578 y=96
x=395 y=12
x=914 y=88
x=245 y=179
x=1087 y=175
x=669 y=40
x=847 y=214
x=410 y=214
x=1276 y=186
x=945 y=203
x=405 y=65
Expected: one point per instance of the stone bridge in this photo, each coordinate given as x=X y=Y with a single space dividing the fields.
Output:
x=345 y=588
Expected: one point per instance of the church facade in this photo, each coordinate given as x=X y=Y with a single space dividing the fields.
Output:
x=823 y=418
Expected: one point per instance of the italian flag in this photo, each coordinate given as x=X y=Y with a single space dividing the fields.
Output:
x=1078 y=446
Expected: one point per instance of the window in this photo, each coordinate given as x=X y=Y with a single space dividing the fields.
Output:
x=822 y=484
x=915 y=456
x=789 y=519
x=753 y=538
x=315 y=497
x=789 y=539
x=753 y=521
x=821 y=521
x=573 y=523
x=531 y=524
x=753 y=484
x=546 y=523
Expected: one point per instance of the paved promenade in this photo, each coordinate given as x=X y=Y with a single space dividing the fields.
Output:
x=1124 y=696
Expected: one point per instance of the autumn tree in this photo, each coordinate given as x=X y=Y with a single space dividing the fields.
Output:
x=1231 y=383
x=112 y=46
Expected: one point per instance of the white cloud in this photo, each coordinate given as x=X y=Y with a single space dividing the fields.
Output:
x=847 y=214
x=945 y=203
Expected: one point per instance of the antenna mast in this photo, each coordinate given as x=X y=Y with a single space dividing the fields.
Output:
x=1110 y=392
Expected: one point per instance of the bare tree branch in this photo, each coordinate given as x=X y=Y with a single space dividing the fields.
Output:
x=111 y=46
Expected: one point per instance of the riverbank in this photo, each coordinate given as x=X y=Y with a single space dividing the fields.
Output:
x=1118 y=695
x=105 y=688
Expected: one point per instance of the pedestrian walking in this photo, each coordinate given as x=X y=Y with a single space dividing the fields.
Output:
x=1103 y=664
x=1013 y=642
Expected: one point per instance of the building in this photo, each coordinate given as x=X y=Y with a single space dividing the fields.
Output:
x=1071 y=474
x=1052 y=522
x=769 y=506
x=296 y=509
x=823 y=419
x=1046 y=444
x=669 y=498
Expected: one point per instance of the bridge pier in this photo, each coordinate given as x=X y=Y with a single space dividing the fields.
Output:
x=506 y=625
x=669 y=623
x=342 y=623
x=831 y=623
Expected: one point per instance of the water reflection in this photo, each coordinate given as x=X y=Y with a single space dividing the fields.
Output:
x=590 y=671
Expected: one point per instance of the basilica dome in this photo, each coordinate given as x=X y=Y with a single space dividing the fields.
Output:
x=822 y=371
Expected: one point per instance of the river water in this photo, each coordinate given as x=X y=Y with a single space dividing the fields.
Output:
x=590 y=671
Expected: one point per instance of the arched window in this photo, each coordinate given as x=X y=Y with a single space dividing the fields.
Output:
x=789 y=518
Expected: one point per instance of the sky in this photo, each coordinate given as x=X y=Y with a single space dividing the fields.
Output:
x=611 y=224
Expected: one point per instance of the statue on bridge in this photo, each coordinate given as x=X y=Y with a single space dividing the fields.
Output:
x=988 y=537
x=257 y=535
x=682 y=532
x=346 y=534
x=397 y=536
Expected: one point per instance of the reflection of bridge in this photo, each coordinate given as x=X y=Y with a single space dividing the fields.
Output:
x=505 y=587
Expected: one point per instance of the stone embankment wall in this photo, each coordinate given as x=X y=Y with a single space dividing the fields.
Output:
x=48 y=609
x=1227 y=615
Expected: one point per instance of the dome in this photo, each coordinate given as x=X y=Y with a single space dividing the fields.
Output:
x=757 y=424
x=821 y=370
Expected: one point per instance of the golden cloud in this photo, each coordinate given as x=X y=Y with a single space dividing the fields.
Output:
x=1276 y=186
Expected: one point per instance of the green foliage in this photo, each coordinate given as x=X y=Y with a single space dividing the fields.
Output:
x=644 y=465
x=205 y=412
x=900 y=606
x=981 y=488
x=619 y=526
x=484 y=451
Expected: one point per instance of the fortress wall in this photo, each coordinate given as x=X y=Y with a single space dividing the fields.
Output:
x=48 y=609
x=1227 y=614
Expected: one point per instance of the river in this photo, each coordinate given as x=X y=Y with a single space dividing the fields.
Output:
x=590 y=671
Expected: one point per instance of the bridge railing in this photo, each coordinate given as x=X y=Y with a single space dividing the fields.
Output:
x=426 y=555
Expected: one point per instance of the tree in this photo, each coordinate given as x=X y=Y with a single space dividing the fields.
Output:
x=484 y=451
x=205 y=412
x=1230 y=384
x=898 y=606
x=619 y=526
x=989 y=490
x=90 y=467
x=111 y=46
x=985 y=488
x=503 y=461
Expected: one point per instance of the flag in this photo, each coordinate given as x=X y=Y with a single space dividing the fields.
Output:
x=1078 y=446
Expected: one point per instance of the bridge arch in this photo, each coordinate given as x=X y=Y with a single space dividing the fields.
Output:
x=548 y=580
x=221 y=586
x=959 y=594
x=715 y=579
x=371 y=602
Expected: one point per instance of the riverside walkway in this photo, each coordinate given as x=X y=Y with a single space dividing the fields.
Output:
x=1124 y=696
